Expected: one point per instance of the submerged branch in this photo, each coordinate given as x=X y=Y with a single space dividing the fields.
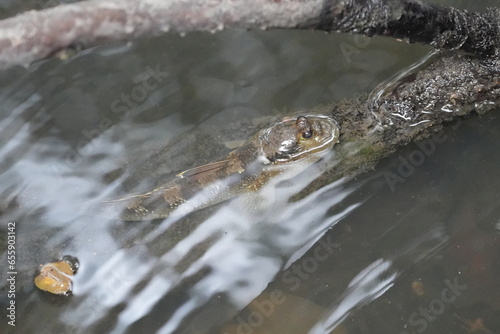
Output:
x=38 y=34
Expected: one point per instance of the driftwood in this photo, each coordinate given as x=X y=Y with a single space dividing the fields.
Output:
x=35 y=35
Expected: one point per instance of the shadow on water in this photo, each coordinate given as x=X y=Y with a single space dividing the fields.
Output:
x=410 y=247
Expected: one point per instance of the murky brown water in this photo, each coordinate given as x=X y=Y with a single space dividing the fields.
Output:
x=411 y=247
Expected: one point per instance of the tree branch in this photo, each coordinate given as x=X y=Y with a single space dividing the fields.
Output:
x=38 y=34
x=443 y=27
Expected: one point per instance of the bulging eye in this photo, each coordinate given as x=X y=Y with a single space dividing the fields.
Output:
x=304 y=127
x=307 y=134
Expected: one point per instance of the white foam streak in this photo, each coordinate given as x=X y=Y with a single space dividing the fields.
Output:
x=142 y=303
x=368 y=285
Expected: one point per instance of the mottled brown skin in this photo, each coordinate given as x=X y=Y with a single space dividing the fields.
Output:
x=286 y=146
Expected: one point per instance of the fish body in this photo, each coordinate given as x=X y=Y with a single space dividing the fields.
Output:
x=286 y=147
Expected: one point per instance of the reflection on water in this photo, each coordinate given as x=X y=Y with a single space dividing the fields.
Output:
x=412 y=254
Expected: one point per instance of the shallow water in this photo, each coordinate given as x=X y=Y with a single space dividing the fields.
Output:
x=410 y=247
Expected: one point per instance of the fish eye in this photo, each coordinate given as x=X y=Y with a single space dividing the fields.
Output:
x=307 y=134
x=304 y=126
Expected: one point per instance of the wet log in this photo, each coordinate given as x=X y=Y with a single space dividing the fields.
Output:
x=413 y=106
x=35 y=35
x=415 y=21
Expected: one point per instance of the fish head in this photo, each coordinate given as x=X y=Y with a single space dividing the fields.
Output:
x=303 y=137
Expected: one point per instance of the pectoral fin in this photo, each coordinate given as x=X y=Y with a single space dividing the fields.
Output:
x=208 y=170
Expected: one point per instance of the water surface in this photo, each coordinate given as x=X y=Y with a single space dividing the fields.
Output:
x=410 y=247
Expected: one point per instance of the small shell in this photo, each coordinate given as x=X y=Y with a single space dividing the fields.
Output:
x=56 y=277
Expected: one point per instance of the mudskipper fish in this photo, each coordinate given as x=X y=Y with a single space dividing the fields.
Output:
x=285 y=148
